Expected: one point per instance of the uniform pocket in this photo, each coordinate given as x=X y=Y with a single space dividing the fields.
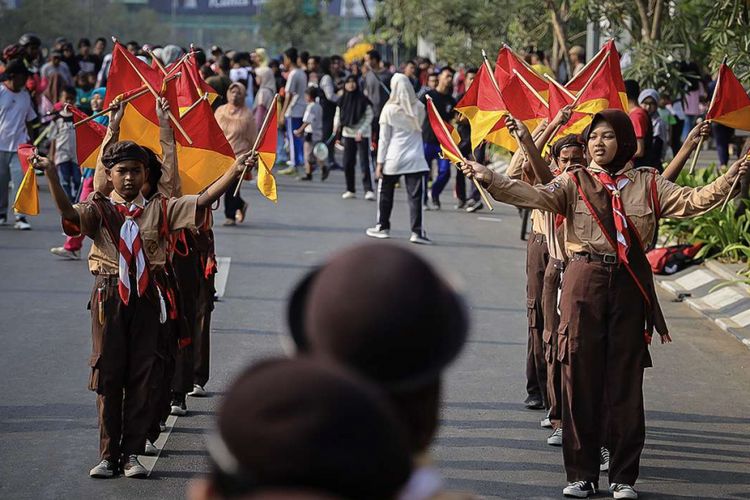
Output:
x=642 y=217
x=532 y=313
x=94 y=376
x=583 y=222
x=150 y=239
x=562 y=344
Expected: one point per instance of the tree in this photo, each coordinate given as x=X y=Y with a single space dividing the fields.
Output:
x=285 y=23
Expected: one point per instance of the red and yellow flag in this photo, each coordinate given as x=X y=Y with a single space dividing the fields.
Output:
x=124 y=74
x=27 y=196
x=267 y=154
x=483 y=107
x=445 y=133
x=209 y=156
x=193 y=71
x=89 y=137
x=730 y=105
x=608 y=51
x=140 y=123
x=507 y=61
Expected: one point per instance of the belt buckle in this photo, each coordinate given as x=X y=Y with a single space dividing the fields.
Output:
x=609 y=258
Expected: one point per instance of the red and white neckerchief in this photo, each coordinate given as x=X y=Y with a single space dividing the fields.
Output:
x=614 y=187
x=131 y=252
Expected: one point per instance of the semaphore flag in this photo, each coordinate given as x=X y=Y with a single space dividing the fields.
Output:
x=730 y=105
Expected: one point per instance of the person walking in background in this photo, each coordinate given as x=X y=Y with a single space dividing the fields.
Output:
x=238 y=124
x=444 y=102
x=16 y=111
x=400 y=152
x=354 y=121
x=220 y=81
x=293 y=110
x=266 y=87
x=327 y=98
x=473 y=202
x=577 y=56
x=649 y=101
x=62 y=135
x=312 y=131
x=376 y=81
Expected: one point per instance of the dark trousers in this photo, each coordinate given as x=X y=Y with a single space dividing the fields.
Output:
x=415 y=184
x=70 y=177
x=552 y=280
x=232 y=203
x=537 y=257
x=124 y=342
x=432 y=152
x=202 y=348
x=603 y=353
x=722 y=136
x=352 y=149
x=187 y=271
x=296 y=151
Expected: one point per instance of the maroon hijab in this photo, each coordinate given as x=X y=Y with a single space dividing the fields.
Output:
x=624 y=132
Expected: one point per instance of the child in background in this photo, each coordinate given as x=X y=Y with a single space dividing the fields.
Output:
x=312 y=129
x=62 y=135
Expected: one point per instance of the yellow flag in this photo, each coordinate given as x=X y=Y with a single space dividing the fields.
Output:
x=27 y=196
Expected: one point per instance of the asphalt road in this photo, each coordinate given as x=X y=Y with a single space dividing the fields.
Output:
x=697 y=395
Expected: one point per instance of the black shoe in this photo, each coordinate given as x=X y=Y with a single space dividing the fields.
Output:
x=580 y=489
x=534 y=403
x=306 y=177
x=324 y=172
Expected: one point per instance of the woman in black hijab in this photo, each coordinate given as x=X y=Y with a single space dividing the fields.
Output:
x=608 y=305
x=354 y=121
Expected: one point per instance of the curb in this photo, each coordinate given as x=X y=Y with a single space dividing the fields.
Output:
x=728 y=306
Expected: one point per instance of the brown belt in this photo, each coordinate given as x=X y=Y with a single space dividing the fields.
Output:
x=603 y=258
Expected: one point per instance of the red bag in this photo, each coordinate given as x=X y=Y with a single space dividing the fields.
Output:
x=671 y=259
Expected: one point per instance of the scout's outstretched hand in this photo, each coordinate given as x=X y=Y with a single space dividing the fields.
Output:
x=61 y=199
x=215 y=190
x=482 y=173
x=738 y=168
x=700 y=131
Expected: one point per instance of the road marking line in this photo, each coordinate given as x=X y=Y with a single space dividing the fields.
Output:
x=222 y=274
x=490 y=219
x=150 y=462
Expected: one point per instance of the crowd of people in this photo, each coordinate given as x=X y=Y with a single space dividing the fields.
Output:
x=365 y=381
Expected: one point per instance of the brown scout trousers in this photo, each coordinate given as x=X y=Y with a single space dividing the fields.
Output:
x=187 y=271
x=603 y=353
x=536 y=367
x=552 y=280
x=122 y=363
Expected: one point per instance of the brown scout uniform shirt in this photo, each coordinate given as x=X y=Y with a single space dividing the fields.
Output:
x=582 y=232
x=515 y=171
x=104 y=256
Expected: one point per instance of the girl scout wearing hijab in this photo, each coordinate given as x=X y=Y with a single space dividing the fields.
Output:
x=611 y=210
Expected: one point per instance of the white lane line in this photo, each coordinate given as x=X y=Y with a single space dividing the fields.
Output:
x=222 y=274
x=150 y=462
x=490 y=219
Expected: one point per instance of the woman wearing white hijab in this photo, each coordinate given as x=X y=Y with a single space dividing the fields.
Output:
x=400 y=152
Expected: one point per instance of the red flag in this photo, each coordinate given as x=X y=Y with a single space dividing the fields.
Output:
x=482 y=106
x=521 y=101
x=124 y=74
x=446 y=136
x=191 y=63
x=609 y=51
x=730 y=105
x=89 y=137
x=507 y=61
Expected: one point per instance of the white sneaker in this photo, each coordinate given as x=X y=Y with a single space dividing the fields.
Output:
x=420 y=239
x=370 y=196
x=604 y=460
x=133 y=468
x=555 y=438
x=620 y=490
x=377 y=232
x=151 y=449
x=22 y=225
x=349 y=195
x=546 y=423
x=103 y=469
x=179 y=410
x=197 y=392
x=3 y=221
x=66 y=254
x=580 y=489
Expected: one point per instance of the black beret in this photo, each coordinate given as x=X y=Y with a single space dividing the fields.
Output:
x=123 y=151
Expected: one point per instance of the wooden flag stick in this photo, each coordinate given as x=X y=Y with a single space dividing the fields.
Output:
x=204 y=97
x=532 y=89
x=266 y=120
x=497 y=89
x=694 y=160
x=156 y=96
x=485 y=199
x=734 y=185
x=559 y=86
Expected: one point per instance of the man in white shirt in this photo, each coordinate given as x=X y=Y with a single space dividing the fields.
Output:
x=16 y=110
x=294 y=109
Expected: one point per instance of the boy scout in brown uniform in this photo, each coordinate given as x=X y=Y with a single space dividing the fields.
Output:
x=130 y=243
x=611 y=212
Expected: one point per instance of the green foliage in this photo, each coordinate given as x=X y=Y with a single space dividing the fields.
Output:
x=727 y=32
x=286 y=23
